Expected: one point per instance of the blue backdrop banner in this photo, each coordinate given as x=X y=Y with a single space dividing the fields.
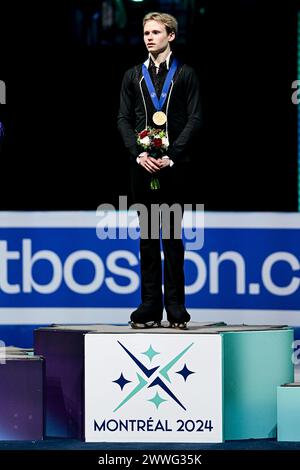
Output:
x=60 y=267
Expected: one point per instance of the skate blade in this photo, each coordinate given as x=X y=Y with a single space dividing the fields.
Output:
x=141 y=326
x=178 y=326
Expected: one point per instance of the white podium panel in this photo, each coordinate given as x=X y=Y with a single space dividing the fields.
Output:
x=147 y=387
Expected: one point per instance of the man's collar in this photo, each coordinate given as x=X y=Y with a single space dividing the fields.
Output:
x=147 y=62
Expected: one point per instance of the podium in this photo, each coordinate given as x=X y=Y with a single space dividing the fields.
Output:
x=209 y=383
x=63 y=350
x=21 y=396
x=153 y=387
x=167 y=372
x=256 y=363
x=288 y=412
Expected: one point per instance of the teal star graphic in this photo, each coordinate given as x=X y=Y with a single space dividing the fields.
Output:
x=150 y=353
x=157 y=400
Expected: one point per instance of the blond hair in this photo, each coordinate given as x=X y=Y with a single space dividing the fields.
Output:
x=169 y=21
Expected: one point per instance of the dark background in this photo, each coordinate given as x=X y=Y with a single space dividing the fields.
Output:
x=63 y=67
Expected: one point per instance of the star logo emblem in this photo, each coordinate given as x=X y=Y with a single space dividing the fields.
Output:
x=153 y=377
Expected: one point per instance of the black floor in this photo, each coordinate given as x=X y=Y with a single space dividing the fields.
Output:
x=72 y=444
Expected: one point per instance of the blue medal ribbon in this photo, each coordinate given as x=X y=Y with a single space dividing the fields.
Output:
x=159 y=103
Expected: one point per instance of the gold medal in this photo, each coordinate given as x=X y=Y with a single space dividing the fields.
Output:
x=159 y=118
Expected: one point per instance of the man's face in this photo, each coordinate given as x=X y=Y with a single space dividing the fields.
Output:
x=156 y=37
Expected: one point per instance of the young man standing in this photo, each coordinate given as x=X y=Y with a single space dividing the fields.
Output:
x=161 y=93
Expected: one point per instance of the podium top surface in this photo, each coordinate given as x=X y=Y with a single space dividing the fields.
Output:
x=21 y=357
x=291 y=384
x=11 y=353
x=193 y=328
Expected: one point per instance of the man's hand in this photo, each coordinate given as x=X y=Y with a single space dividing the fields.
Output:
x=150 y=164
x=163 y=162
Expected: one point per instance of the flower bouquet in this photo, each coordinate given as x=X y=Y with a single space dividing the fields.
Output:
x=155 y=143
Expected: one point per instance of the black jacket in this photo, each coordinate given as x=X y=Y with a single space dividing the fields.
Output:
x=182 y=107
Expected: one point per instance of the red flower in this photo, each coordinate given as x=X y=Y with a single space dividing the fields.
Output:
x=157 y=142
x=143 y=134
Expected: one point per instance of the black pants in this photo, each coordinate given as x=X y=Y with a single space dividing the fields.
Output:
x=174 y=183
